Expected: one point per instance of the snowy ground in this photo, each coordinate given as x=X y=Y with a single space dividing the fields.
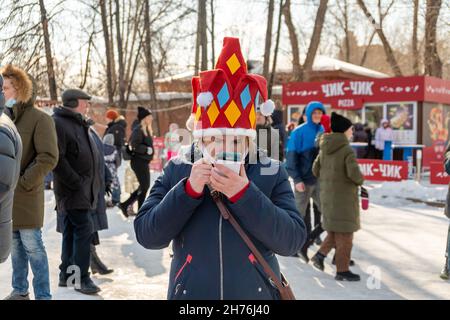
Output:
x=399 y=254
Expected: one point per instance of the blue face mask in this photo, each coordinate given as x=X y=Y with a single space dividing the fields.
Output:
x=10 y=103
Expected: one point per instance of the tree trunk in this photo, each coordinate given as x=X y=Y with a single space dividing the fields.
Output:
x=268 y=43
x=203 y=36
x=122 y=85
x=48 y=53
x=109 y=78
x=197 y=39
x=213 y=51
x=113 y=56
x=315 y=39
x=415 y=51
x=387 y=47
x=275 y=53
x=433 y=64
x=297 y=73
x=347 y=31
x=149 y=65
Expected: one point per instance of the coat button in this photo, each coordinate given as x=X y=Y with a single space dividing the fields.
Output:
x=184 y=291
x=259 y=289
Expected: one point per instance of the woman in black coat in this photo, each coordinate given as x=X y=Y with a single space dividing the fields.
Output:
x=141 y=143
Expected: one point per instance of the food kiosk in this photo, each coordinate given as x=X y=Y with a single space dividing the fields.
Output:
x=417 y=107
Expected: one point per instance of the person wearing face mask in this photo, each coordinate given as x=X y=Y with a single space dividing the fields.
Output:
x=141 y=142
x=340 y=178
x=210 y=259
x=10 y=156
x=77 y=184
x=39 y=157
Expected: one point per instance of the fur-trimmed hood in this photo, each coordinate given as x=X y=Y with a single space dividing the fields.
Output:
x=21 y=81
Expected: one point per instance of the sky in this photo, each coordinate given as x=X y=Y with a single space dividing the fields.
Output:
x=245 y=19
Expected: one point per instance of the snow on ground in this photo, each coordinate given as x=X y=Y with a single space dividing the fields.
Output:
x=399 y=254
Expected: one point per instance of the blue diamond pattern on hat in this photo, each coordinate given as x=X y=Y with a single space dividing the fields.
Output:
x=223 y=96
x=245 y=97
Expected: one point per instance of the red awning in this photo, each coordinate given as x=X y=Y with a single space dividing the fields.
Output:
x=353 y=94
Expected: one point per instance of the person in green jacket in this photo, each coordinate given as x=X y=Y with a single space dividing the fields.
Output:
x=39 y=157
x=340 y=177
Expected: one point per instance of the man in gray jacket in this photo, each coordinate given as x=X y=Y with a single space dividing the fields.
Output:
x=10 y=156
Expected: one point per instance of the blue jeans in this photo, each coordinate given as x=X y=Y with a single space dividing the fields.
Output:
x=447 y=254
x=115 y=194
x=28 y=247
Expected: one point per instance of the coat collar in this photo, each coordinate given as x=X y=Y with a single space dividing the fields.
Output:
x=75 y=116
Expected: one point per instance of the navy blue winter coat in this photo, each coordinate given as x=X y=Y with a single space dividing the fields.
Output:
x=302 y=149
x=210 y=259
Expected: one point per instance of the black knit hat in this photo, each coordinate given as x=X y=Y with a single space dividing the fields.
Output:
x=339 y=123
x=142 y=113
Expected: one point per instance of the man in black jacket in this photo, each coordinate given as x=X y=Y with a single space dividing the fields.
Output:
x=77 y=185
x=10 y=156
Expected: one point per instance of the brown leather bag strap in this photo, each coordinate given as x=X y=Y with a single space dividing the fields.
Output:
x=285 y=292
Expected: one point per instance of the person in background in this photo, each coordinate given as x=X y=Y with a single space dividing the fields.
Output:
x=112 y=161
x=10 y=156
x=141 y=143
x=371 y=151
x=302 y=151
x=384 y=133
x=117 y=127
x=77 y=184
x=445 y=271
x=99 y=216
x=360 y=135
x=326 y=123
x=340 y=178
x=267 y=138
x=39 y=157
x=278 y=124
x=172 y=142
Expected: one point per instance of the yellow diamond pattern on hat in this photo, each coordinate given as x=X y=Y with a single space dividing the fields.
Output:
x=233 y=64
x=252 y=116
x=232 y=113
x=198 y=113
x=213 y=112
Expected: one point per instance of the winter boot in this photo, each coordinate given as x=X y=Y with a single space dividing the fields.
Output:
x=318 y=241
x=88 y=287
x=347 y=276
x=444 y=274
x=317 y=261
x=304 y=254
x=124 y=209
x=97 y=266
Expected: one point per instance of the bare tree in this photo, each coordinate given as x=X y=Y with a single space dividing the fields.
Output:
x=302 y=73
x=415 y=50
x=108 y=48
x=433 y=64
x=275 y=54
x=268 y=41
x=315 y=38
x=212 y=33
x=48 y=52
x=296 y=66
x=149 y=62
x=122 y=84
x=386 y=45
